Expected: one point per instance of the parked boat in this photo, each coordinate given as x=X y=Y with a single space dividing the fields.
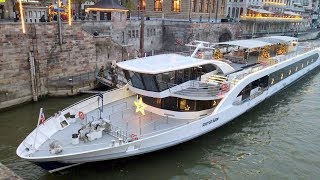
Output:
x=169 y=99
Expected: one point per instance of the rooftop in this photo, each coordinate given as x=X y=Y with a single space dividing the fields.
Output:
x=161 y=63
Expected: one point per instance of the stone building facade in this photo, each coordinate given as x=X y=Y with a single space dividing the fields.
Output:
x=197 y=10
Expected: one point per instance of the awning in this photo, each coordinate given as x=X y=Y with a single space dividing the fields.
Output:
x=277 y=39
x=291 y=13
x=247 y=43
x=284 y=38
x=261 y=11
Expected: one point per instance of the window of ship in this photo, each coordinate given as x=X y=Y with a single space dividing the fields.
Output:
x=261 y=82
x=285 y=72
x=163 y=81
x=180 y=104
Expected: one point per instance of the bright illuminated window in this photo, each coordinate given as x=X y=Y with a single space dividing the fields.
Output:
x=282 y=76
x=157 y=5
x=272 y=80
x=143 y=5
x=289 y=71
x=296 y=68
x=302 y=65
x=176 y=5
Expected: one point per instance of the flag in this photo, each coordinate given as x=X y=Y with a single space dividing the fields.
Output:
x=100 y=95
x=42 y=118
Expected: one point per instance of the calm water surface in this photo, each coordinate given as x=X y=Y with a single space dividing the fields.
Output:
x=278 y=139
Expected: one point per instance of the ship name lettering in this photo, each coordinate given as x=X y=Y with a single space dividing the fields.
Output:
x=209 y=122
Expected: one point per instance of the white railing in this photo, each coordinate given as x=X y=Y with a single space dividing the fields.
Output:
x=240 y=75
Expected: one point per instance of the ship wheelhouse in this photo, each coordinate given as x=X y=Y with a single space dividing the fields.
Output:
x=174 y=83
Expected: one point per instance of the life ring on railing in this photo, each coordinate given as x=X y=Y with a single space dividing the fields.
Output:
x=81 y=115
x=134 y=137
x=225 y=87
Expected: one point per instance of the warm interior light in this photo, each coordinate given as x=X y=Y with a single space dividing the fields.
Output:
x=22 y=17
x=69 y=12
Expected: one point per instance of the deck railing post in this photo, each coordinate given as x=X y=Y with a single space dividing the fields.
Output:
x=140 y=125
x=167 y=119
x=127 y=127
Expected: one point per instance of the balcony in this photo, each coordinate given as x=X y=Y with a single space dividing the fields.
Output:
x=274 y=4
x=270 y=19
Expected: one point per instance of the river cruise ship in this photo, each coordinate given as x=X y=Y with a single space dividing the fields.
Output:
x=169 y=99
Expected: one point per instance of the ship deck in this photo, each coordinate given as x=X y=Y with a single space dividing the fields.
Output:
x=124 y=120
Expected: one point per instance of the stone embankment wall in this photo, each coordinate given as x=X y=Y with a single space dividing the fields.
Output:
x=83 y=53
x=177 y=34
x=79 y=53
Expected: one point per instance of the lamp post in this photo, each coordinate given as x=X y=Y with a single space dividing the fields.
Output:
x=59 y=23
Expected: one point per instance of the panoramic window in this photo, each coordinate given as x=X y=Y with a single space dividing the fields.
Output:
x=157 y=5
x=180 y=104
x=176 y=5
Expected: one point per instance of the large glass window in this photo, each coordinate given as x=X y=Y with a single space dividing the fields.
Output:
x=179 y=104
x=163 y=81
x=158 y=5
x=150 y=83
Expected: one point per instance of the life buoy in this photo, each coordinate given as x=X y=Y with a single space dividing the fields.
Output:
x=134 y=137
x=224 y=87
x=81 y=115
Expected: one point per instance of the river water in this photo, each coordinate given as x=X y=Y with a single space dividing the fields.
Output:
x=278 y=139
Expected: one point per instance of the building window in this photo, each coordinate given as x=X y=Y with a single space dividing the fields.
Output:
x=142 y=5
x=137 y=34
x=157 y=5
x=129 y=34
x=193 y=5
x=200 y=5
x=176 y=5
x=207 y=6
x=213 y=6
